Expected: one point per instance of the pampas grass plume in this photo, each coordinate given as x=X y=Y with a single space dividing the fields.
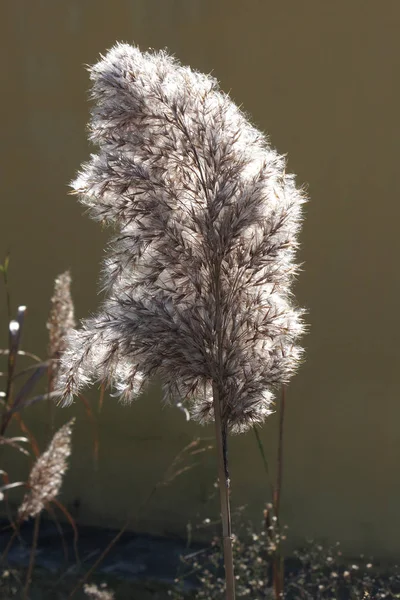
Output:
x=47 y=473
x=198 y=276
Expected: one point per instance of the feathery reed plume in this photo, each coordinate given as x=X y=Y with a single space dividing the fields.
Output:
x=47 y=473
x=60 y=322
x=198 y=277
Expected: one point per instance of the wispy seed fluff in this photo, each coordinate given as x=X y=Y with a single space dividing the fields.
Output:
x=60 y=322
x=47 y=473
x=198 y=276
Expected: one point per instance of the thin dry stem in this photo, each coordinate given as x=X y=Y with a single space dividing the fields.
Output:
x=278 y=562
x=279 y=474
x=32 y=557
x=223 y=479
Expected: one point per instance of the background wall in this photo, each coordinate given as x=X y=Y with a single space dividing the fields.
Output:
x=322 y=79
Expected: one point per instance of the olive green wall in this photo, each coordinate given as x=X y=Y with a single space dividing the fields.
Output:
x=322 y=78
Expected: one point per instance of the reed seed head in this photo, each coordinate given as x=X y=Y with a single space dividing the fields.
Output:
x=60 y=322
x=198 y=277
x=47 y=473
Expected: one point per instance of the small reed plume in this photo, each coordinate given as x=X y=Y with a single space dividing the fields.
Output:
x=60 y=323
x=95 y=592
x=198 y=276
x=47 y=473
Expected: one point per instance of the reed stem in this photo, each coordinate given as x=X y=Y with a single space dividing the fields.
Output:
x=223 y=478
x=32 y=557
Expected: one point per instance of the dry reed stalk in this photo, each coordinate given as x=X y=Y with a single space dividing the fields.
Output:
x=224 y=485
x=278 y=566
x=32 y=557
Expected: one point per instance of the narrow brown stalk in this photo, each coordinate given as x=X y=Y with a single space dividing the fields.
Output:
x=71 y=521
x=278 y=487
x=53 y=515
x=50 y=406
x=7 y=548
x=4 y=270
x=221 y=434
x=278 y=577
x=12 y=355
x=32 y=557
x=278 y=564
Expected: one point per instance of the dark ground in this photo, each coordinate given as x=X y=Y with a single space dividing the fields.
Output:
x=138 y=567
